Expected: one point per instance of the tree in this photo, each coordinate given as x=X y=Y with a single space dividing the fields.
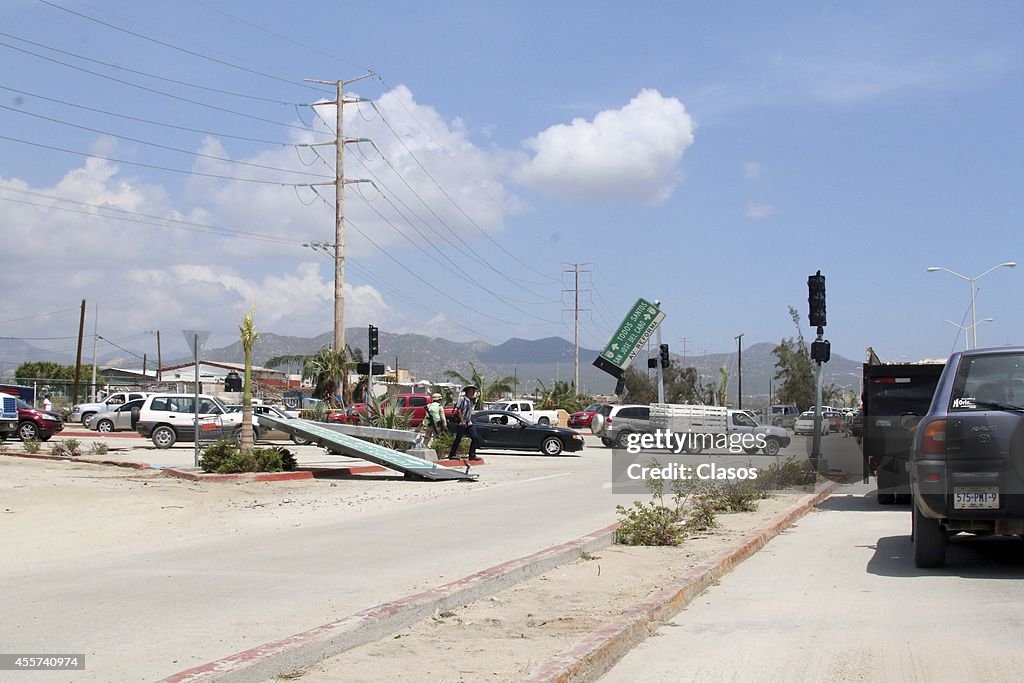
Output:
x=794 y=368
x=683 y=385
x=494 y=389
x=722 y=392
x=639 y=387
x=45 y=369
x=323 y=369
x=561 y=395
x=248 y=335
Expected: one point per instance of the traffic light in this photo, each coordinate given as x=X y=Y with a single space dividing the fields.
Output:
x=374 y=345
x=663 y=355
x=816 y=299
x=821 y=351
x=652 y=363
x=620 y=387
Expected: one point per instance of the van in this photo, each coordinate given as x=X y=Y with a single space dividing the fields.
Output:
x=782 y=415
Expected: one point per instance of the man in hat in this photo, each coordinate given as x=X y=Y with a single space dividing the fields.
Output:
x=434 y=422
x=464 y=427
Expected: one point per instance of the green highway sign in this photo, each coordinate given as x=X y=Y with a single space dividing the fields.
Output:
x=634 y=331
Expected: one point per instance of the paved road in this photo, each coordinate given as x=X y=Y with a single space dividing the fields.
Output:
x=837 y=598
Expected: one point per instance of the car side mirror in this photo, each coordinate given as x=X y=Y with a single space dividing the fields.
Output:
x=910 y=421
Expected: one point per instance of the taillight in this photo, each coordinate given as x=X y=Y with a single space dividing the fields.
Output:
x=607 y=420
x=933 y=477
x=933 y=441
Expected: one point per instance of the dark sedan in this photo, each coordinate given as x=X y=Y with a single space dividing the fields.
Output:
x=505 y=431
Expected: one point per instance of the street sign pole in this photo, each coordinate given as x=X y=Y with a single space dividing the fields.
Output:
x=816 y=442
x=661 y=370
x=195 y=339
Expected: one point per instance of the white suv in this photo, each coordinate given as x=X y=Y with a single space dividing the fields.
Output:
x=168 y=418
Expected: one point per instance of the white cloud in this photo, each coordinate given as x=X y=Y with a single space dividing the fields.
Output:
x=757 y=212
x=752 y=170
x=628 y=153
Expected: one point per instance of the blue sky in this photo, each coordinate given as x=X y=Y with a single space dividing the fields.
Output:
x=710 y=155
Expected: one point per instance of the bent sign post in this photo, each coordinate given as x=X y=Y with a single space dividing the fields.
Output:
x=634 y=331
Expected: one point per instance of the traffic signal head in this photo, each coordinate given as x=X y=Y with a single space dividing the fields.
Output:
x=652 y=363
x=821 y=351
x=663 y=355
x=816 y=299
x=374 y=348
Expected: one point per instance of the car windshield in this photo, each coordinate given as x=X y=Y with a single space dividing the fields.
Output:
x=592 y=408
x=23 y=405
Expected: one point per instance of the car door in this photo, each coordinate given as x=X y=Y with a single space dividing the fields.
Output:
x=497 y=430
x=741 y=423
x=127 y=415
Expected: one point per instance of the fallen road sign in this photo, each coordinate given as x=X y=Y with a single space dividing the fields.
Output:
x=634 y=331
x=357 y=448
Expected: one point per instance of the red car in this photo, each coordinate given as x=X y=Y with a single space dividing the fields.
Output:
x=415 y=405
x=37 y=424
x=584 y=417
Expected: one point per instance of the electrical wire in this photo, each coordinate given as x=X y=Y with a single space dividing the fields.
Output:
x=110 y=65
x=155 y=90
x=151 y=166
x=160 y=146
x=147 y=121
x=175 y=47
x=39 y=315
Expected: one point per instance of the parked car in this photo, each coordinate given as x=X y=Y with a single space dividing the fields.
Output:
x=266 y=432
x=122 y=418
x=582 y=419
x=81 y=412
x=8 y=415
x=413 y=405
x=528 y=410
x=37 y=424
x=857 y=423
x=967 y=456
x=836 y=421
x=507 y=430
x=805 y=424
x=614 y=424
x=169 y=418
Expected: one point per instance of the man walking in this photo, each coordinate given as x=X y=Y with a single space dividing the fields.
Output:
x=464 y=424
x=434 y=422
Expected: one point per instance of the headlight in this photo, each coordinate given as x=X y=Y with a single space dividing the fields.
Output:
x=578 y=437
x=51 y=418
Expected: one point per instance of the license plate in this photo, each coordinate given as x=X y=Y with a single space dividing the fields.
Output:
x=976 y=497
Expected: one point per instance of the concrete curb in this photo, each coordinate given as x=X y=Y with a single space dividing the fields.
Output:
x=90 y=461
x=303 y=649
x=596 y=654
x=232 y=478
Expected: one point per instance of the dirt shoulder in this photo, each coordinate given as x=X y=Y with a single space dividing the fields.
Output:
x=501 y=638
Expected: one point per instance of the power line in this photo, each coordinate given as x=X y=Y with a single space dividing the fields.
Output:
x=154 y=90
x=39 y=315
x=175 y=47
x=151 y=166
x=219 y=91
x=160 y=146
x=147 y=121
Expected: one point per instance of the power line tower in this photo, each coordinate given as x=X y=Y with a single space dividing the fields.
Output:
x=575 y=270
x=339 y=183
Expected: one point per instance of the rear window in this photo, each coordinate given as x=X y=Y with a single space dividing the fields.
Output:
x=989 y=382
x=897 y=395
x=605 y=410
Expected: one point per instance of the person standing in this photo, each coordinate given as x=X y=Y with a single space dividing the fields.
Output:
x=464 y=425
x=434 y=422
x=47 y=403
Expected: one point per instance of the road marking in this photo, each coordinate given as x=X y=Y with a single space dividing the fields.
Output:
x=546 y=476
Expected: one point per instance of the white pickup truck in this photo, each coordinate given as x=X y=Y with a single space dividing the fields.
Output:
x=716 y=420
x=81 y=412
x=527 y=410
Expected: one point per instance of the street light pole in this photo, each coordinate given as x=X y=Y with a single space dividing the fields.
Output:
x=971 y=281
x=964 y=328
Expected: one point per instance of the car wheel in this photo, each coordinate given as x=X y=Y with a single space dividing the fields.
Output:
x=751 y=450
x=551 y=446
x=164 y=437
x=28 y=430
x=771 y=447
x=237 y=435
x=544 y=421
x=86 y=416
x=607 y=442
x=105 y=426
x=622 y=440
x=929 y=541
x=300 y=441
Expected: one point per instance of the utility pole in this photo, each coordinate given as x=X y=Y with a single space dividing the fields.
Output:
x=95 y=325
x=739 y=370
x=576 y=315
x=78 y=359
x=159 y=360
x=339 y=183
x=684 y=341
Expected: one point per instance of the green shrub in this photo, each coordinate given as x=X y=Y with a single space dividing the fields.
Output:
x=98 y=448
x=787 y=473
x=31 y=446
x=66 y=448
x=225 y=457
x=443 y=443
x=656 y=522
x=739 y=495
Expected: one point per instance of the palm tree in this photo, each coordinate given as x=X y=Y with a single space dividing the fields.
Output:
x=502 y=385
x=249 y=335
x=323 y=369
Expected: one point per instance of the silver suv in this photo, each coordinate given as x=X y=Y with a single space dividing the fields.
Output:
x=614 y=424
x=168 y=418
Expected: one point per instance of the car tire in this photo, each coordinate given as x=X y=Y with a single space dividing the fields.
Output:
x=607 y=442
x=105 y=426
x=929 y=541
x=237 y=435
x=28 y=430
x=163 y=437
x=750 y=451
x=551 y=446
x=543 y=421
x=622 y=440
x=771 y=447
x=86 y=416
x=301 y=441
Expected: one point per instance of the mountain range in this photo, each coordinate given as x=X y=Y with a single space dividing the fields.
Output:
x=528 y=360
